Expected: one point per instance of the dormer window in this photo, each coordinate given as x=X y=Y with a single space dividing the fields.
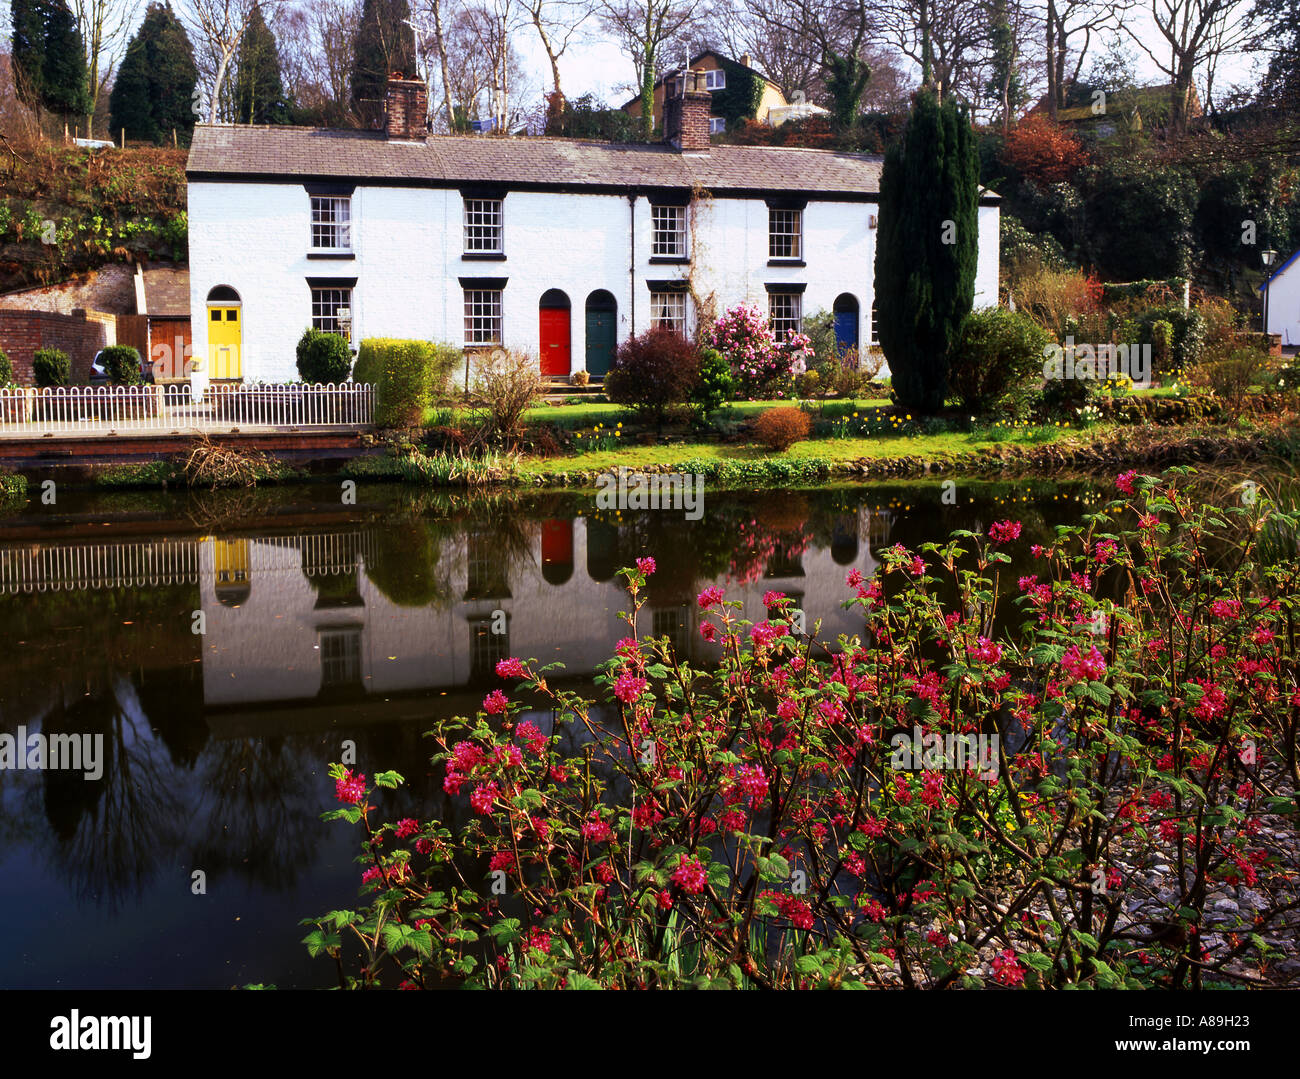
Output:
x=715 y=80
x=331 y=223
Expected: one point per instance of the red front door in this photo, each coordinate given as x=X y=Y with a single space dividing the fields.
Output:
x=554 y=332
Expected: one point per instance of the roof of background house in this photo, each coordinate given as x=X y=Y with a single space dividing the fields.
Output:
x=167 y=290
x=300 y=153
x=1152 y=103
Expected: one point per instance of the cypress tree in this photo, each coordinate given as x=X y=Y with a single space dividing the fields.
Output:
x=154 y=92
x=926 y=248
x=65 y=90
x=385 y=43
x=259 y=92
x=28 y=49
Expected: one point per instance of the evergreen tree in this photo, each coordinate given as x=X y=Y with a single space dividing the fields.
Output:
x=259 y=93
x=28 y=49
x=385 y=44
x=154 y=92
x=926 y=248
x=65 y=89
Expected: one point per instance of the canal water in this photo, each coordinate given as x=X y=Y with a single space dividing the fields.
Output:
x=222 y=649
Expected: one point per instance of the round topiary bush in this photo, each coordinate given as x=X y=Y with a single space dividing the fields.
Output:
x=323 y=357
x=715 y=385
x=122 y=362
x=780 y=428
x=998 y=360
x=51 y=367
x=653 y=373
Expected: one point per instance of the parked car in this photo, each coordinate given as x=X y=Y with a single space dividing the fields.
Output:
x=99 y=370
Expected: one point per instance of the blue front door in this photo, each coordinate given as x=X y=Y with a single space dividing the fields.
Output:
x=846 y=330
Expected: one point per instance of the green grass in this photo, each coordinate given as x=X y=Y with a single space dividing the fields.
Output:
x=937 y=447
x=590 y=413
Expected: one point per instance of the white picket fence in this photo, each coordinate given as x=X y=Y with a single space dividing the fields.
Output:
x=171 y=409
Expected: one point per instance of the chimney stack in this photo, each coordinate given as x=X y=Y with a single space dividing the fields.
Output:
x=406 y=108
x=687 y=104
x=746 y=61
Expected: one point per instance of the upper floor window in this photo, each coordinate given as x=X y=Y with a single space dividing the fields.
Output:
x=784 y=234
x=669 y=224
x=785 y=312
x=717 y=125
x=331 y=222
x=715 y=80
x=331 y=311
x=483 y=231
x=875 y=326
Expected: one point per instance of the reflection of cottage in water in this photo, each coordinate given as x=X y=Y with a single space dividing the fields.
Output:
x=401 y=610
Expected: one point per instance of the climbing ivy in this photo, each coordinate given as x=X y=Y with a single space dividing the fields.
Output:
x=739 y=100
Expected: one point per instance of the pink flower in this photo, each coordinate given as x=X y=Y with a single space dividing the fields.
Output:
x=511 y=668
x=1213 y=702
x=689 y=875
x=595 y=830
x=1105 y=550
x=1007 y=969
x=350 y=789
x=530 y=734
x=646 y=565
x=495 y=703
x=986 y=651
x=1124 y=481
x=708 y=630
x=482 y=798
x=1004 y=531
x=710 y=597
x=629 y=687
x=503 y=859
x=407 y=826
x=1083 y=668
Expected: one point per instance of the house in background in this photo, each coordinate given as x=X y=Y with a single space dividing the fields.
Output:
x=559 y=247
x=727 y=81
x=1282 y=301
x=160 y=328
x=1145 y=107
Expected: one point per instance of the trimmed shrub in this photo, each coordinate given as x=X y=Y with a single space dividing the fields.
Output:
x=407 y=375
x=6 y=369
x=653 y=373
x=715 y=384
x=780 y=428
x=999 y=359
x=122 y=362
x=323 y=357
x=51 y=367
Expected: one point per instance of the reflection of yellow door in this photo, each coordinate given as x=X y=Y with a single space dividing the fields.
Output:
x=224 y=343
x=230 y=570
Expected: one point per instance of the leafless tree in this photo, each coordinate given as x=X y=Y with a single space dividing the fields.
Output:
x=559 y=23
x=103 y=25
x=316 y=48
x=646 y=29
x=430 y=18
x=946 y=39
x=218 y=26
x=1070 y=28
x=1196 y=34
x=783 y=56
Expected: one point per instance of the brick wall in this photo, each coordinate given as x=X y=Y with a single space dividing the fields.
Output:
x=23 y=332
x=406 y=109
x=686 y=112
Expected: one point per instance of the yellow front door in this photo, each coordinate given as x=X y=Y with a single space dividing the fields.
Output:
x=224 y=342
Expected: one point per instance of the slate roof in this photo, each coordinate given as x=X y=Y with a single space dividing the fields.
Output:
x=290 y=153
x=167 y=290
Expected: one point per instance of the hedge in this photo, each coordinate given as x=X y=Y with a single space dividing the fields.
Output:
x=51 y=367
x=122 y=362
x=407 y=376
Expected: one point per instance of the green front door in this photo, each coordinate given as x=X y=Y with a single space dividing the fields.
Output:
x=601 y=327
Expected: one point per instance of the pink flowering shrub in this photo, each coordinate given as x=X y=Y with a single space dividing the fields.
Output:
x=761 y=365
x=746 y=823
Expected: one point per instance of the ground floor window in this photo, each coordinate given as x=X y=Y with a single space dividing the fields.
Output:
x=668 y=311
x=482 y=316
x=785 y=312
x=875 y=334
x=326 y=305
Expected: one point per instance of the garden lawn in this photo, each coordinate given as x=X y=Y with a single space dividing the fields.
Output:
x=938 y=447
x=588 y=414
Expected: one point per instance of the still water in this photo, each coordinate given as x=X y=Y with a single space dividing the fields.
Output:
x=224 y=647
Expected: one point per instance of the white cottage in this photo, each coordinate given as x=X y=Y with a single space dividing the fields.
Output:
x=1281 y=295
x=560 y=247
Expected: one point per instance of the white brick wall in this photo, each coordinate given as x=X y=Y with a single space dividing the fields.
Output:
x=407 y=243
